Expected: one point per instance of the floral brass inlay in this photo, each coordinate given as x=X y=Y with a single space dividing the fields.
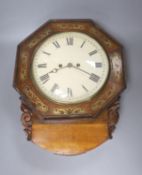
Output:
x=40 y=106
x=68 y=111
x=98 y=104
x=23 y=68
x=117 y=66
x=103 y=99
x=107 y=42
x=68 y=26
x=34 y=41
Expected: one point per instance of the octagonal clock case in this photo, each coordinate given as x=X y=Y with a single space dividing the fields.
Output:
x=69 y=74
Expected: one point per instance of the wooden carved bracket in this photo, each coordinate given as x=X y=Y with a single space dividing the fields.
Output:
x=113 y=113
x=26 y=119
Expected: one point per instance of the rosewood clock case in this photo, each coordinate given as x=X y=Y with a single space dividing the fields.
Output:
x=69 y=129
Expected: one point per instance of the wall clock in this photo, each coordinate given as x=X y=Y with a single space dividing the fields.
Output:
x=69 y=74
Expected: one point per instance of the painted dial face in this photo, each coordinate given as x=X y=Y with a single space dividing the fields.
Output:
x=70 y=67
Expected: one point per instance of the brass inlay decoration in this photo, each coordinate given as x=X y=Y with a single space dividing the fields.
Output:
x=40 y=106
x=68 y=111
x=35 y=40
x=103 y=99
x=68 y=26
x=24 y=67
x=107 y=42
x=117 y=66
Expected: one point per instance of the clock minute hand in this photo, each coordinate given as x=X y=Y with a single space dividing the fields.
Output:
x=81 y=70
x=70 y=65
x=95 y=78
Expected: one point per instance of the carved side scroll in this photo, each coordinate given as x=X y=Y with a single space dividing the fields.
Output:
x=113 y=113
x=26 y=119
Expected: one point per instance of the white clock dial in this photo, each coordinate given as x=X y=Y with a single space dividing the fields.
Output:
x=70 y=67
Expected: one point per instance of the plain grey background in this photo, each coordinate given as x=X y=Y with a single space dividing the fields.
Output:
x=120 y=156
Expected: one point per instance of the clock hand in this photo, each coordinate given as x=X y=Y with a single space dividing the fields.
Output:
x=71 y=65
x=54 y=70
x=92 y=76
x=57 y=69
x=81 y=70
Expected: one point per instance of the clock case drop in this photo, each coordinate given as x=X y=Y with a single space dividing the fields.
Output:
x=69 y=129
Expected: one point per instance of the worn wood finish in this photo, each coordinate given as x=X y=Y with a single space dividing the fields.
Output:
x=69 y=128
x=70 y=138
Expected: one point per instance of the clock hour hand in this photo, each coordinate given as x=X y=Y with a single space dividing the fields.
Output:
x=56 y=69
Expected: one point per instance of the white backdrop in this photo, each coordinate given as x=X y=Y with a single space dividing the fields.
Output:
x=120 y=156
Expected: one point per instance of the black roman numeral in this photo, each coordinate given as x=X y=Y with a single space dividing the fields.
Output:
x=69 y=91
x=44 y=78
x=92 y=52
x=98 y=65
x=70 y=41
x=46 y=53
x=44 y=65
x=56 y=44
x=55 y=86
x=84 y=88
x=94 y=77
x=82 y=44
